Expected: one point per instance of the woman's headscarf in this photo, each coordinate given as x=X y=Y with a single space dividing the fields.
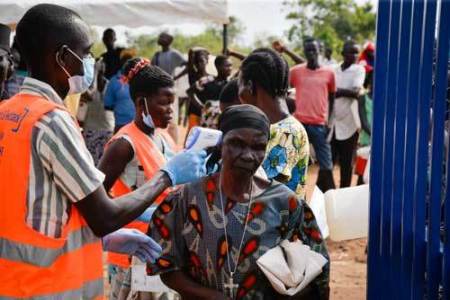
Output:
x=244 y=116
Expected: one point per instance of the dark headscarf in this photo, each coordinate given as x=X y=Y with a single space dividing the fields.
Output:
x=244 y=116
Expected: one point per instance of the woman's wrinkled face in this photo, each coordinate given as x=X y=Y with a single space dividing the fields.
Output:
x=243 y=151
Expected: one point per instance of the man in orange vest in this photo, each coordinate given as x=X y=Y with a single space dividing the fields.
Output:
x=53 y=206
x=137 y=151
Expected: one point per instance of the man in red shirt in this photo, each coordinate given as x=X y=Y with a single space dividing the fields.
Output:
x=315 y=87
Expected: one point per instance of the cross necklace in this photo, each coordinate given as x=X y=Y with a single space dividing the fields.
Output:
x=230 y=287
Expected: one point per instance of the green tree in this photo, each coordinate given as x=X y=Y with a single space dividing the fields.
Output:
x=331 y=21
x=210 y=39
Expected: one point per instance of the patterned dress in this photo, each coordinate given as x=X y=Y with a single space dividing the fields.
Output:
x=189 y=227
x=287 y=155
x=210 y=114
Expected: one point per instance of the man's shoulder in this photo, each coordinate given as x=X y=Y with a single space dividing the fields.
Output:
x=56 y=120
x=357 y=68
x=56 y=126
x=299 y=67
x=329 y=69
x=174 y=51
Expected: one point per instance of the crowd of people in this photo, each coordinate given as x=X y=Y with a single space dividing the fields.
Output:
x=121 y=165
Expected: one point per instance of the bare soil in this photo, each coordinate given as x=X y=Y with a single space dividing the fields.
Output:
x=348 y=258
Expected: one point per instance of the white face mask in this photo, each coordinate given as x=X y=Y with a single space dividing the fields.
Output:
x=147 y=118
x=79 y=84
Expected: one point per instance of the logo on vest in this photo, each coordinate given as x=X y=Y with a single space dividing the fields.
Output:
x=14 y=117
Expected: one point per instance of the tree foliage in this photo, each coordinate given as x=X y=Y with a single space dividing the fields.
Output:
x=211 y=39
x=331 y=21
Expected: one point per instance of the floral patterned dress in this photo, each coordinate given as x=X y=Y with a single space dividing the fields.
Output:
x=190 y=228
x=287 y=155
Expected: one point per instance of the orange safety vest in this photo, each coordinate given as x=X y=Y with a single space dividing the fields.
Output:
x=32 y=264
x=152 y=160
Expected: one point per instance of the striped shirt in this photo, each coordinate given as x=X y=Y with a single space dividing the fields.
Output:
x=62 y=170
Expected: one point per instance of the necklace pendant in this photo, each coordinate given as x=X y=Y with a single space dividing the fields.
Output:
x=230 y=288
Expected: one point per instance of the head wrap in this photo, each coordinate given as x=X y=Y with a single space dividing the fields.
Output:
x=244 y=116
x=363 y=57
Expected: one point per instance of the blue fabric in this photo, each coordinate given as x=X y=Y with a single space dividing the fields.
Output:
x=317 y=135
x=117 y=97
x=14 y=83
x=275 y=162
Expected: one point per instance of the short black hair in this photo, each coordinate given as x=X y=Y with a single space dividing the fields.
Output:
x=349 y=43
x=44 y=29
x=310 y=39
x=230 y=92
x=166 y=34
x=220 y=60
x=267 y=68
x=147 y=80
x=108 y=31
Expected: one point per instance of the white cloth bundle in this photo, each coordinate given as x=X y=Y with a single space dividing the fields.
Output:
x=290 y=275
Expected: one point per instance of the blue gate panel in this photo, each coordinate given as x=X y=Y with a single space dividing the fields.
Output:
x=374 y=252
x=410 y=167
x=434 y=262
x=399 y=147
x=410 y=171
x=421 y=175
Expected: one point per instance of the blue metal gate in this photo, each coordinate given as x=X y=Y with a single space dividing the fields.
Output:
x=409 y=232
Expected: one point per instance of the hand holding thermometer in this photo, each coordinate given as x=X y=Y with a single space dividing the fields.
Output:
x=202 y=138
x=208 y=139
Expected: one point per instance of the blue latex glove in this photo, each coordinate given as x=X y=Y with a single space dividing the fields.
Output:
x=186 y=166
x=132 y=242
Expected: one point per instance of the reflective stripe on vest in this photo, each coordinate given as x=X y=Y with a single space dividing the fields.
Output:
x=90 y=290
x=44 y=257
x=33 y=265
x=151 y=160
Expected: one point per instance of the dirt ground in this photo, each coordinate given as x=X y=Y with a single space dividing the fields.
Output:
x=348 y=259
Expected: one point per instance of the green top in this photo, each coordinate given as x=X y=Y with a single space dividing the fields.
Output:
x=364 y=137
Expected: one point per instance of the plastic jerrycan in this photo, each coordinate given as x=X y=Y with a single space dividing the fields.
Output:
x=347 y=212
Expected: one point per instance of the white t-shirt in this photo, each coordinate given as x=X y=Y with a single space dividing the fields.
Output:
x=328 y=62
x=345 y=117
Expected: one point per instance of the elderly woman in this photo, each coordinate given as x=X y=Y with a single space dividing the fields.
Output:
x=213 y=231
